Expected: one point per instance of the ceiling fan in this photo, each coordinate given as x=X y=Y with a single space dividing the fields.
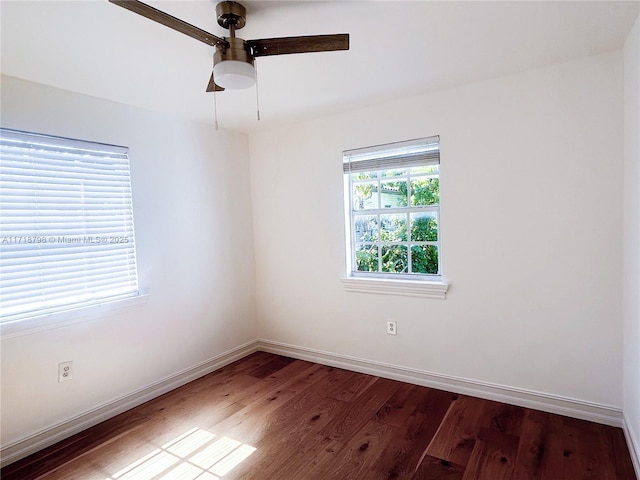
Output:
x=233 y=62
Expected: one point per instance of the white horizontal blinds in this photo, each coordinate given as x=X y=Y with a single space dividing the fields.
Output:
x=422 y=151
x=66 y=224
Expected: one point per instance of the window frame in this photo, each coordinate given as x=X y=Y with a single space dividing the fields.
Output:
x=72 y=192
x=409 y=283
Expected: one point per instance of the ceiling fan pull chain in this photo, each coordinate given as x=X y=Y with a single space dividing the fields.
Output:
x=215 y=110
x=255 y=65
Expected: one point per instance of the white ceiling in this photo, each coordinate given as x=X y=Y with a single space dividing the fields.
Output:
x=397 y=49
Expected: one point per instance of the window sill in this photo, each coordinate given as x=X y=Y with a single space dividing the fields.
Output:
x=28 y=326
x=385 y=286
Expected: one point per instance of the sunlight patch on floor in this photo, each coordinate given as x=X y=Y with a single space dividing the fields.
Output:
x=195 y=455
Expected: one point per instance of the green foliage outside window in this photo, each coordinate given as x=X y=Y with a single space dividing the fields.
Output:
x=398 y=227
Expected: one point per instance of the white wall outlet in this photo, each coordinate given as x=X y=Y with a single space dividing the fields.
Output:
x=392 y=327
x=65 y=371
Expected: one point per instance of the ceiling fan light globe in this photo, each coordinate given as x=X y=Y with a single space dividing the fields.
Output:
x=234 y=74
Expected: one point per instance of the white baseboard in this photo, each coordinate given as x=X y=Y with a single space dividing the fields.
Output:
x=633 y=442
x=516 y=396
x=44 y=438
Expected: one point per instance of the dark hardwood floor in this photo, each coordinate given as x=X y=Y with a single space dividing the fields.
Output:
x=269 y=417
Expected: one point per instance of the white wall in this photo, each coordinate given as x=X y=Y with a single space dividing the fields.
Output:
x=195 y=253
x=531 y=227
x=631 y=239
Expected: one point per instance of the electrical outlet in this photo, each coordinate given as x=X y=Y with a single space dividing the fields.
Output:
x=65 y=371
x=392 y=327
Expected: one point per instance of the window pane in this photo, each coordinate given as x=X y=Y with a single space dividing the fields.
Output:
x=394 y=259
x=424 y=227
x=430 y=169
x=367 y=258
x=393 y=228
x=424 y=259
x=393 y=173
x=366 y=228
x=365 y=175
x=365 y=196
x=425 y=191
x=393 y=193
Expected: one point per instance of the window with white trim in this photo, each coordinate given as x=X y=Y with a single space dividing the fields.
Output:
x=392 y=194
x=66 y=225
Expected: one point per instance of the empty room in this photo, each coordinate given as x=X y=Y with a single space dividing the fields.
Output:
x=309 y=240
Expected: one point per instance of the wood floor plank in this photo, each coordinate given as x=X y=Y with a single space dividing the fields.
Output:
x=300 y=452
x=586 y=451
x=75 y=447
x=223 y=401
x=360 y=383
x=248 y=423
x=356 y=456
x=540 y=452
x=502 y=417
x=291 y=417
x=266 y=417
x=432 y=468
x=493 y=456
x=334 y=437
x=269 y=368
x=286 y=452
x=401 y=405
x=293 y=422
x=104 y=461
x=250 y=362
x=456 y=437
x=404 y=455
x=351 y=419
x=621 y=457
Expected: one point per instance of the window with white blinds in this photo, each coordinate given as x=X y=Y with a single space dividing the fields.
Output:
x=66 y=225
x=392 y=194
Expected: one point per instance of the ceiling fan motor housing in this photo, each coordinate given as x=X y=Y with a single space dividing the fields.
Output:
x=233 y=66
x=231 y=14
x=237 y=50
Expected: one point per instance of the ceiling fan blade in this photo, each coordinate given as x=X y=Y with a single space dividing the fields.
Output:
x=170 y=21
x=213 y=86
x=311 y=43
